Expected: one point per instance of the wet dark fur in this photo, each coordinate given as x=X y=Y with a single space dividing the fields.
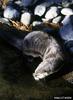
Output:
x=38 y=43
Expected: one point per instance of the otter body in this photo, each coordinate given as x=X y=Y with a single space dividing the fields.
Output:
x=39 y=43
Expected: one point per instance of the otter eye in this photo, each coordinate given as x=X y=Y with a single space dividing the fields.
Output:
x=35 y=75
x=45 y=71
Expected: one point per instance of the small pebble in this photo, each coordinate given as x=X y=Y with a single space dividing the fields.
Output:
x=39 y=10
x=66 y=3
x=67 y=11
x=18 y=2
x=44 y=19
x=57 y=19
x=35 y=23
x=26 y=18
x=4 y=20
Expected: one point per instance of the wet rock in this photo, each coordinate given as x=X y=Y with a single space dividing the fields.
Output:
x=45 y=20
x=4 y=20
x=47 y=4
x=60 y=7
x=27 y=3
x=66 y=3
x=35 y=23
x=52 y=12
x=57 y=19
x=26 y=18
x=0 y=3
x=11 y=13
x=39 y=10
x=67 y=11
x=66 y=31
x=66 y=20
x=18 y=2
x=69 y=77
x=69 y=47
x=12 y=35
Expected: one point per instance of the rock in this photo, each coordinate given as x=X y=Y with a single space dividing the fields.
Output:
x=57 y=19
x=67 y=11
x=60 y=7
x=39 y=10
x=26 y=18
x=69 y=47
x=66 y=3
x=1 y=12
x=54 y=8
x=66 y=31
x=4 y=20
x=4 y=3
x=11 y=13
x=52 y=12
x=46 y=27
x=47 y=3
x=66 y=20
x=35 y=23
x=44 y=19
x=10 y=34
x=58 y=2
x=27 y=3
x=18 y=2
x=69 y=77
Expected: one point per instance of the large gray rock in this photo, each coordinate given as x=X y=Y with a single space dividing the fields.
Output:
x=27 y=3
x=66 y=31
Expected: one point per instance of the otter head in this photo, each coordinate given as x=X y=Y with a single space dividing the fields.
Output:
x=42 y=71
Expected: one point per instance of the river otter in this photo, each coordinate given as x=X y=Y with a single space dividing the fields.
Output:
x=39 y=43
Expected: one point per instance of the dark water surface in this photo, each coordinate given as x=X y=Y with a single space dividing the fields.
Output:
x=16 y=80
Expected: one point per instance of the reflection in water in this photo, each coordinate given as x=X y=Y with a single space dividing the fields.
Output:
x=16 y=80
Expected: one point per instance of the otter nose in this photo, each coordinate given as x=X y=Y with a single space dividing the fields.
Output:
x=36 y=77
